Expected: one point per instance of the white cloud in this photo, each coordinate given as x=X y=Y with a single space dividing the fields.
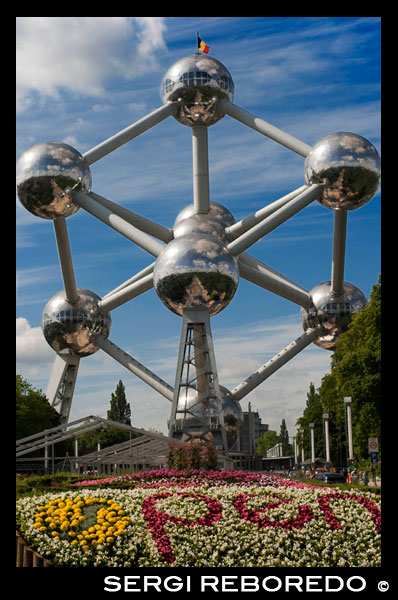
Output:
x=79 y=54
x=33 y=355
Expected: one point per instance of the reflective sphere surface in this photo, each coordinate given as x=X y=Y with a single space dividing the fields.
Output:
x=196 y=271
x=71 y=327
x=198 y=408
x=200 y=224
x=45 y=174
x=332 y=313
x=348 y=165
x=197 y=82
x=216 y=210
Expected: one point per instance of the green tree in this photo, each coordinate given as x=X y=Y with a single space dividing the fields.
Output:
x=356 y=372
x=267 y=441
x=287 y=448
x=33 y=411
x=120 y=412
x=120 y=409
x=356 y=368
x=312 y=414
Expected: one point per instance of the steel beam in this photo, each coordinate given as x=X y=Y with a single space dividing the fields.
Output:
x=283 y=138
x=339 y=239
x=130 y=132
x=251 y=382
x=143 y=273
x=281 y=215
x=247 y=223
x=118 y=224
x=127 y=293
x=150 y=227
x=65 y=259
x=261 y=275
x=135 y=367
x=201 y=193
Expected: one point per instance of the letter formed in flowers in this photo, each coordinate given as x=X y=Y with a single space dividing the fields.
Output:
x=258 y=517
x=331 y=519
x=157 y=520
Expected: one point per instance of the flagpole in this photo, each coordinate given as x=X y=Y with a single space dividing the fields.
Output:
x=197 y=42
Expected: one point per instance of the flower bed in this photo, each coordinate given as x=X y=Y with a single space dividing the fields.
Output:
x=204 y=519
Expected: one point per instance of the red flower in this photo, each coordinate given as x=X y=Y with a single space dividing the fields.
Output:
x=257 y=516
x=332 y=520
x=157 y=520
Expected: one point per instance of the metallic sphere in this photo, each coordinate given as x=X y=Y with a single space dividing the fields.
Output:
x=200 y=224
x=196 y=271
x=348 y=165
x=216 y=210
x=71 y=327
x=197 y=82
x=198 y=410
x=45 y=175
x=331 y=313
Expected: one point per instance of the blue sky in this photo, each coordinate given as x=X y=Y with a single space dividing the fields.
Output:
x=82 y=79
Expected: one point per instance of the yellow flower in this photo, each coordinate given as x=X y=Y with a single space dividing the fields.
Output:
x=110 y=539
x=74 y=542
x=64 y=526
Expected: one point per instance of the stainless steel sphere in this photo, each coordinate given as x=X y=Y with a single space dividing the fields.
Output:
x=197 y=82
x=200 y=224
x=216 y=210
x=196 y=271
x=71 y=327
x=45 y=175
x=348 y=165
x=331 y=313
x=198 y=410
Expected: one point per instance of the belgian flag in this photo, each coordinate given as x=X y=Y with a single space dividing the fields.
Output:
x=202 y=46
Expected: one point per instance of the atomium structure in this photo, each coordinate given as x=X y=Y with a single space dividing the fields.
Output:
x=198 y=262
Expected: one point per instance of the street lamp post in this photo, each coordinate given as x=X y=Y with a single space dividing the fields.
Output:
x=311 y=426
x=325 y=418
x=348 y=405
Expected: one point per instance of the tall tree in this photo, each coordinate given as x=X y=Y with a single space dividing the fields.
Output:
x=312 y=414
x=267 y=441
x=284 y=439
x=356 y=372
x=34 y=413
x=120 y=409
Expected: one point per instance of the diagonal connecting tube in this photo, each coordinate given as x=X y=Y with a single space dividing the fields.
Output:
x=274 y=133
x=150 y=227
x=251 y=382
x=255 y=271
x=135 y=367
x=237 y=229
x=281 y=215
x=127 y=293
x=130 y=132
x=118 y=224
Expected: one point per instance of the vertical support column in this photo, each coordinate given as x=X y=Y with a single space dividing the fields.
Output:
x=61 y=384
x=302 y=445
x=348 y=405
x=295 y=449
x=201 y=191
x=338 y=258
x=311 y=426
x=196 y=373
x=76 y=455
x=325 y=418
